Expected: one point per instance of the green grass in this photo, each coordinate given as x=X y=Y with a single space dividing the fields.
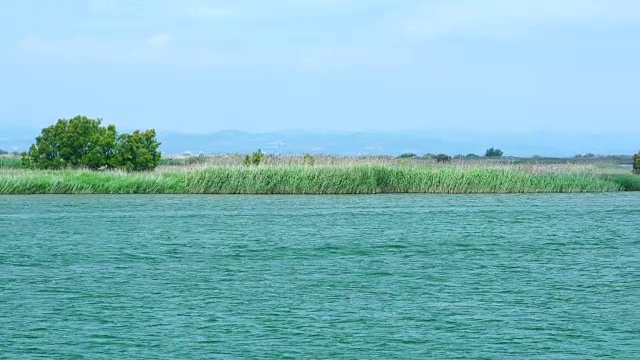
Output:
x=171 y=162
x=628 y=182
x=10 y=162
x=357 y=179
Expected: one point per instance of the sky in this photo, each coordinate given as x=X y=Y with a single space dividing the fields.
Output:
x=201 y=66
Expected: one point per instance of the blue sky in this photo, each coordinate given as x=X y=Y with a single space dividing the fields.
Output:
x=253 y=65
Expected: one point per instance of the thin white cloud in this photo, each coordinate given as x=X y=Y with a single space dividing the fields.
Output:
x=208 y=12
x=335 y=58
x=159 y=40
x=503 y=18
x=102 y=5
x=345 y=58
x=145 y=51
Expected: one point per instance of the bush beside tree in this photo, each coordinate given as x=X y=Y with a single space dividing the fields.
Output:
x=137 y=151
x=636 y=163
x=82 y=142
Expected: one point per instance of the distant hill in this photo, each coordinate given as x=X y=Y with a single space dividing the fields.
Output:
x=372 y=142
x=365 y=143
x=16 y=138
x=380 y=143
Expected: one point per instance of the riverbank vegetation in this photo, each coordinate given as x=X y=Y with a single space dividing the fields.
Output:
x=80 y=156
x=10 y=162
x=350 y=176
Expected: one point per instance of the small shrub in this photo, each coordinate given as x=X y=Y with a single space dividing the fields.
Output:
x=308 y=159
x=442 y=158
x=196 y=160
x=254 y=159
x=636 y=163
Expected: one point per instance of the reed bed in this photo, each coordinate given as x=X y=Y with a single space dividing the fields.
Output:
x=10 y=162
x=317 y=179
x=627 y=182
x=173 y=164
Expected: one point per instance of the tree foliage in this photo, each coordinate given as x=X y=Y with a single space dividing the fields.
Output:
x=78 y=142
x=82 y=142
x=137 y=151
x=492 y=153
x=636 y=163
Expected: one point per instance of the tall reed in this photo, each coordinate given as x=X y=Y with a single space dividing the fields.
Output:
x=10 y=162
x=300 y=179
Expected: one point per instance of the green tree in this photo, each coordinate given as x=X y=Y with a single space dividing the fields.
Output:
x=492 y=153
x=82 y=142
x=636 y=163
x=137 y=151
x=76 y=143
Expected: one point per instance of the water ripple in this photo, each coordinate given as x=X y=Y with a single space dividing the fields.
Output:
x=390 y=276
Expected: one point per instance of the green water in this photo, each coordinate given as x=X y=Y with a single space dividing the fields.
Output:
x=340 y=277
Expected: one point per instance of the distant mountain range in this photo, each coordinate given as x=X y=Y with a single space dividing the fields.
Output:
x=380 y=143
x=373 y=143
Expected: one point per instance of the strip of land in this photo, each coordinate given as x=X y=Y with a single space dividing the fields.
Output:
x=347 y=178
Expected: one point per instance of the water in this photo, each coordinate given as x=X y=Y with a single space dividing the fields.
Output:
x=345 y=277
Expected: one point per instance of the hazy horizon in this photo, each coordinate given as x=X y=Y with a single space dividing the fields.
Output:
x=542 y=143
